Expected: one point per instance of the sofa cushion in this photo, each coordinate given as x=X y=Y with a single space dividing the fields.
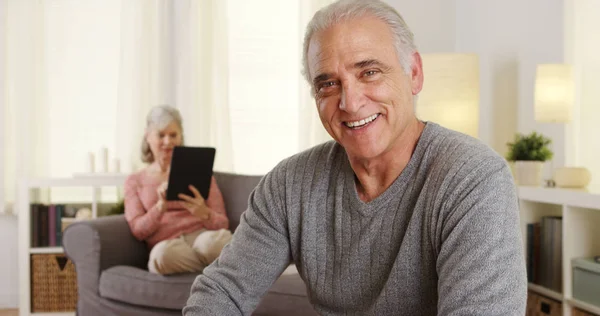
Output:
x=140 y=287
x=236 y=190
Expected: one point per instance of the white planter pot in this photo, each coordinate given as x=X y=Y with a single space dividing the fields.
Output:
x=528 y=173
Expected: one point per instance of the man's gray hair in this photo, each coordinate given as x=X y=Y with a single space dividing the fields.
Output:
x=343 y=10
x=159 y=118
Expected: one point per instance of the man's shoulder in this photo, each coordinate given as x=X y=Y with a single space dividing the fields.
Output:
x=458 y=165
x=456 y=159
x=314 y=156
x=451 y=148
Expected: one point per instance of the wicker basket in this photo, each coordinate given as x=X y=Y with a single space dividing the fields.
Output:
x=578 y=312
x=53 y=283
x=539 y=305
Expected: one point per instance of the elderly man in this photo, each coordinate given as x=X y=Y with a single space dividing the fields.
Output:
x=397 y=216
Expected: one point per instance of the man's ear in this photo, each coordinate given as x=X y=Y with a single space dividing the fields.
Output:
x=416 y=73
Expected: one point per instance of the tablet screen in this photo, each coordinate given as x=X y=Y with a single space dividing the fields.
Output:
x=190 y=165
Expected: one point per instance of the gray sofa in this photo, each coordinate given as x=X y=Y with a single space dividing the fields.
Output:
x=112 y=277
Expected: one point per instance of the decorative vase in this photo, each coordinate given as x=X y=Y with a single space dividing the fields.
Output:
x=572 y=177
x=528 y=173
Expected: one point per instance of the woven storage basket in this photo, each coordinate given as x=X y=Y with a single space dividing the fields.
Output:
x=538 y=305
x=578 y=312
x=53 y=283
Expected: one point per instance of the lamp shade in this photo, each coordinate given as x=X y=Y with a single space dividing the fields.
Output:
x=450 y=94
x=554 y=93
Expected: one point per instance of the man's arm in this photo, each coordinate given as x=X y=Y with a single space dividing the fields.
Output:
x=252 y=261
x=480 y=263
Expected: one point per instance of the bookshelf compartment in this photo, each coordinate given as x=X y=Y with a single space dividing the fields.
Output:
x=48 y=221
x=99 y=193
x=539 y=305
x=582 y=236
x=53 y=283
x=584 y=309
x=532 y=212
x=586 y=281
x=542 y=225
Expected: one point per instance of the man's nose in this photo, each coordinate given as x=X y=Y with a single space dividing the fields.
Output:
x=353 y=97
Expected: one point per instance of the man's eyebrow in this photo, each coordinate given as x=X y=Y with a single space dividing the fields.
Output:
x=361 y=64
x=368 y=63
x=321 y=77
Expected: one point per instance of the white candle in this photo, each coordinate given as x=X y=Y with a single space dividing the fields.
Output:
x=89 y=164
x=116 y=165
x=103 y=159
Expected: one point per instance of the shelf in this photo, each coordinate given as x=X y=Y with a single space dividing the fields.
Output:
x=99 y=181
x=43 y=190
x=585 y=306
x=546 y=292
x=39 y=250
x=572 y=197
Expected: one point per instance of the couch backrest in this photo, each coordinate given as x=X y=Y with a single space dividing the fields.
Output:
x=236 y=189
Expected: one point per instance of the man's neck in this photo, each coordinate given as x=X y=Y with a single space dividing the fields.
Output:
x=375 y=175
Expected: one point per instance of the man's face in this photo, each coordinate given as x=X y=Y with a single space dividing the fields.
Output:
x=363 y=95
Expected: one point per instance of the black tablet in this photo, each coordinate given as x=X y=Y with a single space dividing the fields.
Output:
x=190 y=165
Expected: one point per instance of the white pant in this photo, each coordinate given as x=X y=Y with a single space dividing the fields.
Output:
x=189 y=252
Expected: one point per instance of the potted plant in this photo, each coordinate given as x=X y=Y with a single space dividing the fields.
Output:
x=528 y=152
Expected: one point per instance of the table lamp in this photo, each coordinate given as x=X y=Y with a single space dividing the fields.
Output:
x=554 y=93
x=450 y=95
x=554 y=100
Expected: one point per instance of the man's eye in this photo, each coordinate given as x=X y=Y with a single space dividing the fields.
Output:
x=327 y=84
x=370 y=73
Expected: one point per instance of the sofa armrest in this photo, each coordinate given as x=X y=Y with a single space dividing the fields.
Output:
x=95 y=246
x=99 y=244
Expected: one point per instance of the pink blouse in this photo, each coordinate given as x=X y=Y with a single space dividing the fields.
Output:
x=149 y=224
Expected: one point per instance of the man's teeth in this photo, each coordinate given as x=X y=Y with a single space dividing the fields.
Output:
x=362 y=122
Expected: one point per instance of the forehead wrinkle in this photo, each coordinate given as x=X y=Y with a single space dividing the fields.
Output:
x=349 y=56
x=320 y=65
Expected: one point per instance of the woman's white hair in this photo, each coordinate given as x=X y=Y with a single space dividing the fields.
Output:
x=343 y=10
x=159 y=117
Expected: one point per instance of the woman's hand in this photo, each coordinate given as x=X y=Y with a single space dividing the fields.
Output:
x=161 y=191
x=195 y=205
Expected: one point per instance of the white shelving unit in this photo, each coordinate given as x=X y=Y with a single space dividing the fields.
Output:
x=30 y=191
x=580 y=211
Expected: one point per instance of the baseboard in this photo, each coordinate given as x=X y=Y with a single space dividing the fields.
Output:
x=9 y=300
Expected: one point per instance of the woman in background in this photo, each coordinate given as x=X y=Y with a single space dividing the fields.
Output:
x=183 y=236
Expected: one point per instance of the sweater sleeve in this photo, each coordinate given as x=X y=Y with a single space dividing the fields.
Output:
x=143 y=223
x=257 y=254
x=480 y=265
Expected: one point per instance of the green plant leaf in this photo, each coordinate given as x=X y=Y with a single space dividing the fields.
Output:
x=532 y=147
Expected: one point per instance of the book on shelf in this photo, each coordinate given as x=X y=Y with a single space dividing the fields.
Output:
x=47 y=224
x=544 y=253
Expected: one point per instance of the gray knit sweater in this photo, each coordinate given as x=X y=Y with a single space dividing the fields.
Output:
x=443 y=239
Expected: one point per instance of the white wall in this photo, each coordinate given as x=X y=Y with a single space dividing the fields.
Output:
x=8 y=223
x=9 y=286
x=511 y=38
x=432 y=22
x=586 y=57
x=481 y=30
